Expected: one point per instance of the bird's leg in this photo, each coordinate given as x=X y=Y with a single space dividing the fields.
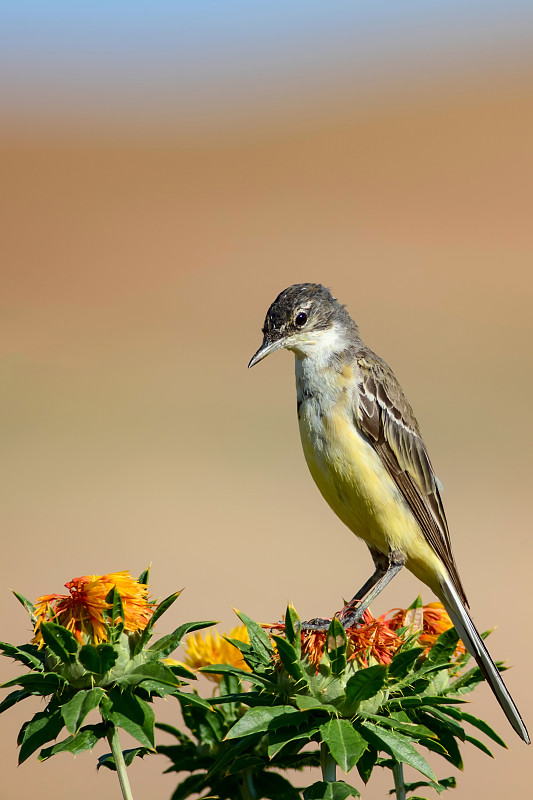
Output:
x=320 y=624
x=386 y=569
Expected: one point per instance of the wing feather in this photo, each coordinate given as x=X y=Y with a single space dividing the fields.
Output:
x=387 y=419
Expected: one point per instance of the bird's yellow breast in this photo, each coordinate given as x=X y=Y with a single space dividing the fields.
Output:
x=353 y=480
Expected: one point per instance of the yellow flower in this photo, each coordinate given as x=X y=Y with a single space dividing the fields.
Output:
x=201 y=651
x=82 y=610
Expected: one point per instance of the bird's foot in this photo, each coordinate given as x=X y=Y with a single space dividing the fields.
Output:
x=348 y=616
x=318 y=624
x=351 y=614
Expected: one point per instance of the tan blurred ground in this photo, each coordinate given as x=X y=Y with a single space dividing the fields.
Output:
x=135 y=279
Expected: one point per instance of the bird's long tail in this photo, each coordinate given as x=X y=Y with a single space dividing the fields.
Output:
x=476 y=647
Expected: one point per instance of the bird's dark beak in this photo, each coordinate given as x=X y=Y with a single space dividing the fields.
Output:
x=266 y=348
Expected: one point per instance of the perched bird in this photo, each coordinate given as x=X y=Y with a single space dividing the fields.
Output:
x=366 y=454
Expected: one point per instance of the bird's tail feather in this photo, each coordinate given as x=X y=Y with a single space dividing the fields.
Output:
x=476 y=647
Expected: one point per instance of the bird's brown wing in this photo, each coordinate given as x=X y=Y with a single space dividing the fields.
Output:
x=387 y=419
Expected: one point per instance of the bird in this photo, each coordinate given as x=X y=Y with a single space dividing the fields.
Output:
x=366 y=454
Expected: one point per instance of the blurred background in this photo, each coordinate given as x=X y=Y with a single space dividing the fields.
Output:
x=167 y=169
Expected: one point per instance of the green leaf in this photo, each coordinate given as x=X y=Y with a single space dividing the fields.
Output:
x=248 y=698
x=436 y=747
x=403 y=661
x=467 y=682
x=479 y=745
x=289 y=659
x=322 y=790
x=305 y=703
x=85 y=739
x=431 y=670
x=272 y=786
x=277 y=740
x=193 y=784
x=60 y=641
x=409 y=728
x=257 y=720
x=444 y=648
x=209 y=726
x=42 y=728
x=243 y=647
x=366 y=763
x=336 y=647
x=440 y=786
x=13 y=698
x=426 y=700
x=446 y=740
x=228 y=669
x=150 y=671
x=99 y=659
x=345 y=744
x=446 y=783
x=27 y=654
x=144 y=576
x=366 y=683
x=442 y=717
x=181 y=671
x=184 y=758
x=155 y=689
x=293 y=628
x=450 y=711
x=258 y=639
x=248 y=761
x=163 y=606
x=230 y=684
x=417 y=603
x=108 y=761
x=167 y=644
x=115 y=614
x=136 y=716
x=292 y=758
x=484 y=727
x=399 y=747
x=30 y=608
x=75 y=711
x=37 y=682
x=187 y=698
x=227 y=754
x=302 y=721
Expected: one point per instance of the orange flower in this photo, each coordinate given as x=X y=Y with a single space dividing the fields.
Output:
x=374 y=638
x=369 y=638
x=82 y=611
x=202 y=651
x=431 y=619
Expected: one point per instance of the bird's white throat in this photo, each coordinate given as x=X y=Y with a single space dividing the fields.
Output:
x=320 y=345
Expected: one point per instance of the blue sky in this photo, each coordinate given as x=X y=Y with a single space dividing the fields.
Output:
x=135 y=53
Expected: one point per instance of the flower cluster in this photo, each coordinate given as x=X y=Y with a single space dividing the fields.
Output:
x=363 y=698
x=92 y=652
x=374 y=639
x=370 y=639
x=82 y=611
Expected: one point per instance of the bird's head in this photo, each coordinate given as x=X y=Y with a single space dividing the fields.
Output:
x=306 y=319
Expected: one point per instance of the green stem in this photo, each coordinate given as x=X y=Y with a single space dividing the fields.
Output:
x=328 y=764
x=247 y=786
x=399 y=783
x=120 y=764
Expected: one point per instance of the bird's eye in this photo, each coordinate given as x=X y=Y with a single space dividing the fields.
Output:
x=300 y=319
